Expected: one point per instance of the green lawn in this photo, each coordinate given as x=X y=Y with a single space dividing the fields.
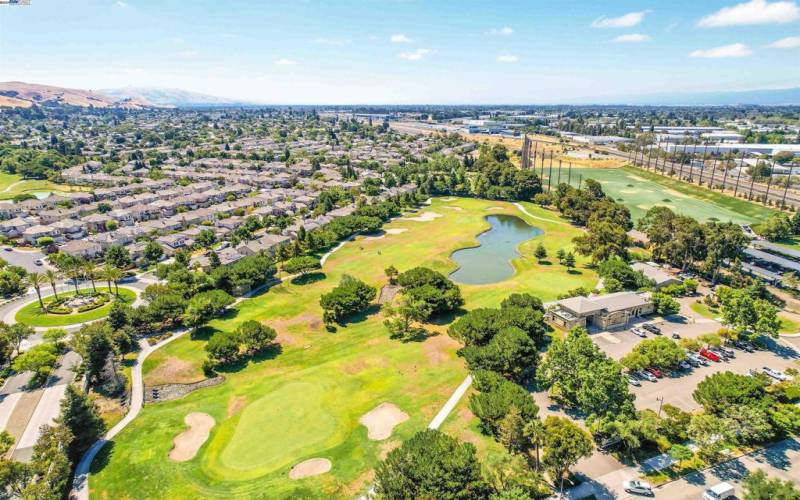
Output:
x=12 y=185
x=32 y=314
x=788 y=325
x=305 y=401
x=704 y=311
x=641 y=190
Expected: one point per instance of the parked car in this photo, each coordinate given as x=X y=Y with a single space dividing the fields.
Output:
x=685 y=365
x=720 y=353
x=639 y=332
x=676 y=335
x=729 y=353
x=645 y=375
x=692 y=360
x=8 y=249
x=38 y=262
x=777 y=375
x=652 y=328
x=719 y=491
x=709 y=355
x=700 y=359
x=743 y=345
x=637 y=487
x=634 y=381
x=655 y=371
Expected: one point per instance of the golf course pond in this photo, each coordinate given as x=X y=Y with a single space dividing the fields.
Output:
x=490 y=262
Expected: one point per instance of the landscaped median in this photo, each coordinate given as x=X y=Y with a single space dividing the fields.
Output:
x=71 y=309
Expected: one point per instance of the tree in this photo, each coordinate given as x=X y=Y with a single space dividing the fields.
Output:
x=351 y=296
x=659 y=351
x=603 y=239
x=153 y=251
x=510 y=353
x=751 y=424
x=495 y=399
x=37 y=280
x=748 y=314
x=560 y=255
x=778 y=227
x=52 y=278
x=724 y=242
x=564 y=445
x=204 y=306
x=254 y=336
x=90 y=272
x=720 y=391
x=50 y=464
x=16 y=333
x=709 y=432
x=569 y=260
x=534 y=433
x=79 y=414
x=118 y=256
x=759 y=486
x=783 y=157
x=39 y=359
x=431 y=287
x=301 y=265
x=431 y=465
x=540 y=253
x=112 y=275
x=93 y=343
x=222 y=348
x=680 y=453
x=664 y=304
x=511 y=432
x=392 y=273
x=205 y=238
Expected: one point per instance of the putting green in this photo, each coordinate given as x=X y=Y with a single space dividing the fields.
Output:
x=640 y=190
x=284 y=423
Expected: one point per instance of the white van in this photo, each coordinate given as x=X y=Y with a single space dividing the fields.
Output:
x=720 y=491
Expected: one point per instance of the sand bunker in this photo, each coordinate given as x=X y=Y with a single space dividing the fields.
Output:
x=495 y=208
x=396 y=230
x=312 y=467
x=457 y=209
x=381 y=421
x=186 y=444
x=426 y=217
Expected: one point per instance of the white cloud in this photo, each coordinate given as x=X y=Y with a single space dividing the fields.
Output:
x=733 y=50
x=189 y=53
x=415 y=55
x=134 y=71
x=505 y=30
x=790 y=42
x=284 y=62
x=121 y=4
x=176 y=40
x=632 y=38
x=400 y=38
x=507 y=58
x=627 y=21
x=335 y=42
x=753 y=12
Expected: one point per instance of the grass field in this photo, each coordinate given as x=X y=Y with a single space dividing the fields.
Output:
x=12 y=185
x=304 y=401
x=640 y=190
x=32 y=314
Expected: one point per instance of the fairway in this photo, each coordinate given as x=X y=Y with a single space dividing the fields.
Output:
x=305 y=401
x=640 y=190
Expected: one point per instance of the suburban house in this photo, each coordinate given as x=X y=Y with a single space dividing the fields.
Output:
x=81 y=248
x=602 y=311
x=652 y=271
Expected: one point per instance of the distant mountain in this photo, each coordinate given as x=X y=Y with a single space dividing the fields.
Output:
x=25 y=95
x=171 y=97
x=761 y=97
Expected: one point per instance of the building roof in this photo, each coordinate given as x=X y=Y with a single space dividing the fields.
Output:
x=654 y=273
x=611 y=302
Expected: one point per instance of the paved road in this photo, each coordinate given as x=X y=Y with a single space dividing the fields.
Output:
x=25 y=258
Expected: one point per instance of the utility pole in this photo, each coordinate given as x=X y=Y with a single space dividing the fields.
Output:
x=580 y=181
x=541 y=176
x=660 y=404
x=700 y=182
x=752 y=181
x=569 y=175
x=713 y=173
x=550 y=172
x=725 y=176
x=559 y=173
x=680 y=174
x=769 y=183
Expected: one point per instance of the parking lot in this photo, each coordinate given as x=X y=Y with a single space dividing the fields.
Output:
x=677 y=390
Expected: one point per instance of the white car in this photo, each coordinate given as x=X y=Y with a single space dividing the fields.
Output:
x=775 y=374
x=639 y=332
x=637 y=487
x=634 y=381
x=643 y=374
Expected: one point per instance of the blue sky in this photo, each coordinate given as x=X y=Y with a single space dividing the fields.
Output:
x=405 y=51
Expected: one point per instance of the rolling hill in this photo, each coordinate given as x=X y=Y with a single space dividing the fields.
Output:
x=25 y=95
x=171 y=97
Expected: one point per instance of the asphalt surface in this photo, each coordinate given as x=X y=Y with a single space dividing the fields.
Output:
x=24 y=258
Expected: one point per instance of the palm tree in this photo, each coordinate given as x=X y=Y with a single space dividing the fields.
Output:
x=111 y=273
x=52 y=277
x=37 y=280
x=73 y=271
x=89 y=271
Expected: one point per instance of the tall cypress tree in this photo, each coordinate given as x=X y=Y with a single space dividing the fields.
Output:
x=79 y=414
